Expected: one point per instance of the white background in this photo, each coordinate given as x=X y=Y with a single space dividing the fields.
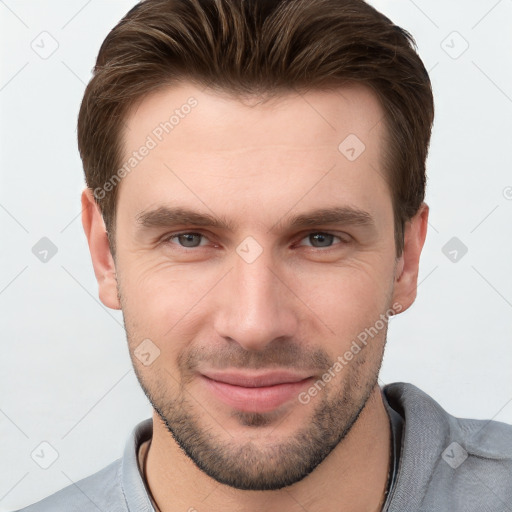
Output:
x=65 y=374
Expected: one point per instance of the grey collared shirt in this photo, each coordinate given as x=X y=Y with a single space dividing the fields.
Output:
x=443 y=464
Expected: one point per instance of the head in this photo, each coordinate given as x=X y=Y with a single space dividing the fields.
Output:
x=256 y=177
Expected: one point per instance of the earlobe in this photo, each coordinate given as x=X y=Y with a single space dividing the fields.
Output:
x=99 y=247
x=407 y=268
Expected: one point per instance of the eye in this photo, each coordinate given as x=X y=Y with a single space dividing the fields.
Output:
x=191 y=240
x=320 y=239
x=188 y=240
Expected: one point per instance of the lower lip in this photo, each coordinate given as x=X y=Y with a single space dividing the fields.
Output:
x=260 y=399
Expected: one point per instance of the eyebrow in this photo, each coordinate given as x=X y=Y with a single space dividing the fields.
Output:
x=165 y=217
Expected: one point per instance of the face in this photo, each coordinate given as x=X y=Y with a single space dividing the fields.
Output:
x=255 y=240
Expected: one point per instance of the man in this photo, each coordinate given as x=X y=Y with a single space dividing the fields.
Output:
x=255 y=206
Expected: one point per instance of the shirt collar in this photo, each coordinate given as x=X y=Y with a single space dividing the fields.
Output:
x=133 y=485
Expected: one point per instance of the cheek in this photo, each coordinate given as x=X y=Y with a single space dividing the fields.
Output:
x=346 y=300
x=161 y=300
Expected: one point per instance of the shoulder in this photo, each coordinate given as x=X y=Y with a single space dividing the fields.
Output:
x=457 y=464
x=100 y=491
x=118 y=487
x=486 y=439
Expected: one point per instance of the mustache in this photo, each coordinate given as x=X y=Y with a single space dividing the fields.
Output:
x=277 y=354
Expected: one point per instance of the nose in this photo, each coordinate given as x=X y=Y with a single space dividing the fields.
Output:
x=256 y=305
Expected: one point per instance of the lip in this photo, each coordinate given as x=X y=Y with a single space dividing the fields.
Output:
x=255 y=392
x=254 y=380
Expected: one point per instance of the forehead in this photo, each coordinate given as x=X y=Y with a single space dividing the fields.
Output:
x=295 y=117
x=205 y=148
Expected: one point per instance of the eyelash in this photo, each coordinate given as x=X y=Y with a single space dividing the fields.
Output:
x=167 y=240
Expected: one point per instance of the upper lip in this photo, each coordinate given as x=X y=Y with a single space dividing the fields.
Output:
x=254 y=380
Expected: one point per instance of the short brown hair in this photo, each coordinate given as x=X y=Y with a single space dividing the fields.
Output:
x=260 y=47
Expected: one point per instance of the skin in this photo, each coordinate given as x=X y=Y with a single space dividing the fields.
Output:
x=298 y=305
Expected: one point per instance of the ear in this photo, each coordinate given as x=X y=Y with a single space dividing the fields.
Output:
x=406 y=273
x=99 y=247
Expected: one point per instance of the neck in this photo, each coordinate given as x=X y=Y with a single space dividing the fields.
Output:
x=353 y=477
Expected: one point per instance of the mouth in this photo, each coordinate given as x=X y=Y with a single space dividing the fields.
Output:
x=250 y=392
